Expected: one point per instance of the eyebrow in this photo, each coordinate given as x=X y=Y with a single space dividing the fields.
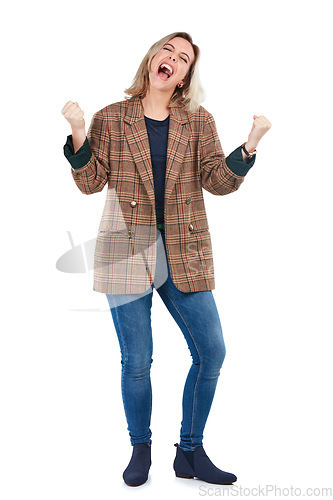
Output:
x=181 y=52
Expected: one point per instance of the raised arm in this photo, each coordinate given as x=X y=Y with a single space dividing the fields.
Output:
x=220 y=175
x=88 y=154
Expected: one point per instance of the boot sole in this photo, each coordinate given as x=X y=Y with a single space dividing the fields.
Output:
x=135 y=484
x=187 y=476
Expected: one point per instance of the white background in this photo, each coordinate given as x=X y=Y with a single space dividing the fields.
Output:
x=63 y=428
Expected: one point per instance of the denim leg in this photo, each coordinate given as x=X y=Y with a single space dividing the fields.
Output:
x=132 y=321
x=197 y=316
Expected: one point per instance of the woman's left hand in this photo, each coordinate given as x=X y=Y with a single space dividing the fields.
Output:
x=259 y=128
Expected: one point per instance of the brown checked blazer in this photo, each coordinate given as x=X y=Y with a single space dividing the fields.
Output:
x=125 y=251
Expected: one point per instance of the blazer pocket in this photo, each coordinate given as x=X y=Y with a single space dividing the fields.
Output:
x=200 y=226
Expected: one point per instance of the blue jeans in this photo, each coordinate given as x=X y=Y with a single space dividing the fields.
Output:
x=198 y=319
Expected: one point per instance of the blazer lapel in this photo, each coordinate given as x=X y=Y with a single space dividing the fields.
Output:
x=137 y=138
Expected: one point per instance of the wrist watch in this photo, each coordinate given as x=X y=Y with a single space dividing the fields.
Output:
x=249 y=155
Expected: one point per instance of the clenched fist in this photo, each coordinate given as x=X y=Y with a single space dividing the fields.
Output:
x=260 y=126
x=74 y=115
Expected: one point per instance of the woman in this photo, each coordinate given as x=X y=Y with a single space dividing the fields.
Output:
x=156 y=151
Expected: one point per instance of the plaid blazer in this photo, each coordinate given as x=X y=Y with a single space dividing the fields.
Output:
x=125 y=251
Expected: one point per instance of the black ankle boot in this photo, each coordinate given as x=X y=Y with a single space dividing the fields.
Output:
x=136 y=473
x=190 y=464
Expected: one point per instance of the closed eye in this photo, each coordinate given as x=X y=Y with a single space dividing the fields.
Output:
x=166 y=48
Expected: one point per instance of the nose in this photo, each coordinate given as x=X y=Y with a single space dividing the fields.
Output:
x=173 y=57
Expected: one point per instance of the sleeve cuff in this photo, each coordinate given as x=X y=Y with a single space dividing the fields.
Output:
x=236 y=163
x=82 y=155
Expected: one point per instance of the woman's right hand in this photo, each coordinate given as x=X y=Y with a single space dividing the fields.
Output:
x=74 y=115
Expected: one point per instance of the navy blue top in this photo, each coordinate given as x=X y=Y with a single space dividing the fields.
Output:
x=158 y=141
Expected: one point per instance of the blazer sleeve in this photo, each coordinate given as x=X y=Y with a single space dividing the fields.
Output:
x=90 y=165
x=220 y=175
x=82 y=155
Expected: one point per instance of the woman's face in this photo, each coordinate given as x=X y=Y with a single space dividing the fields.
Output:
x=179 y=55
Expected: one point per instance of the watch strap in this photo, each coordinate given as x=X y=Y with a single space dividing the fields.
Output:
x=246 y=152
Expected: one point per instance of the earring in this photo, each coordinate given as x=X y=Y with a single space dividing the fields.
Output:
x=180 y=85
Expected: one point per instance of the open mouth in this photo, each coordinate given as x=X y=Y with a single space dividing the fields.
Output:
x=164 y=71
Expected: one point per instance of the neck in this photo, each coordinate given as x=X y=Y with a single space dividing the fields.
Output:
x=156 y=101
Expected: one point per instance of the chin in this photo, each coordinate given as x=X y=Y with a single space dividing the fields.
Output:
x=159 y=86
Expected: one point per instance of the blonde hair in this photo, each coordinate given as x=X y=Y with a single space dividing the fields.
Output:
x=190 y=96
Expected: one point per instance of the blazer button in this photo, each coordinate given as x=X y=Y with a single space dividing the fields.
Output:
x=133 y=203
x=188 y=201
x=190 y=227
